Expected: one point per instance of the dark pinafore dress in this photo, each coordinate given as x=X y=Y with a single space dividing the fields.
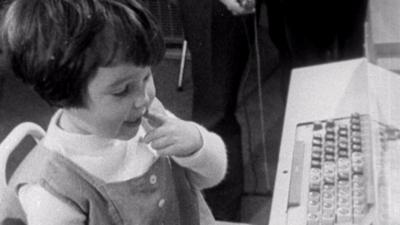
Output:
x=161 y=196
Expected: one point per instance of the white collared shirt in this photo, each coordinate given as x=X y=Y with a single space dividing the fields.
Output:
x=113 y=160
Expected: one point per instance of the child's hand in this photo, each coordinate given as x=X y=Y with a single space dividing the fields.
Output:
x=172 y=136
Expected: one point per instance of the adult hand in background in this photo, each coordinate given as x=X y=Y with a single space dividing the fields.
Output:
x=247 y=6
x=173 y=2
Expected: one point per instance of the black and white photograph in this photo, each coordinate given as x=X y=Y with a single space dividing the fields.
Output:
x=199 y=112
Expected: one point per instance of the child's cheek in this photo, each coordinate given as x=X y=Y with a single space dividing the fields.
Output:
x=108 y=126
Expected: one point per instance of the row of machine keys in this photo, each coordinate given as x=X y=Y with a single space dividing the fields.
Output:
x=337 y=186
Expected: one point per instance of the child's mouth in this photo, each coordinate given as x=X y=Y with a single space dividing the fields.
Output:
x=133 y=123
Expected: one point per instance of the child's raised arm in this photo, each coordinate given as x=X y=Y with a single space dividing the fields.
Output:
x=190 y=145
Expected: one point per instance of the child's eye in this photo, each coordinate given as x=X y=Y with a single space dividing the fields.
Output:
x=122 y=93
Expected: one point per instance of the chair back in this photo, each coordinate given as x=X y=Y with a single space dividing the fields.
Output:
x=13 y=149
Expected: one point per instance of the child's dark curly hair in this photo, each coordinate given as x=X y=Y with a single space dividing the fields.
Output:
x=57 y=45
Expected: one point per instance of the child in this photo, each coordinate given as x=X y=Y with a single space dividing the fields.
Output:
x=112 y=154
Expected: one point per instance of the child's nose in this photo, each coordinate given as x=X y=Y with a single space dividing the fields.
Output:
x=142 y=100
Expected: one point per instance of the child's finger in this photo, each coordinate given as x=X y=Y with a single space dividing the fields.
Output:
x=155 y=119
x=154 y=134
x=147 y=127
x=167 y=151
x=161 y=143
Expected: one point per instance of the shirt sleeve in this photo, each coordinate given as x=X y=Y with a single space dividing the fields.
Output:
x=208 y=165
x=38 y=202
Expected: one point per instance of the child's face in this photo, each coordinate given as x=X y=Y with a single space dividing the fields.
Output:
x=117 y=98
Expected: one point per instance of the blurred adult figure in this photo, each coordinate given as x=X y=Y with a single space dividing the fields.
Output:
x=220 y=37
